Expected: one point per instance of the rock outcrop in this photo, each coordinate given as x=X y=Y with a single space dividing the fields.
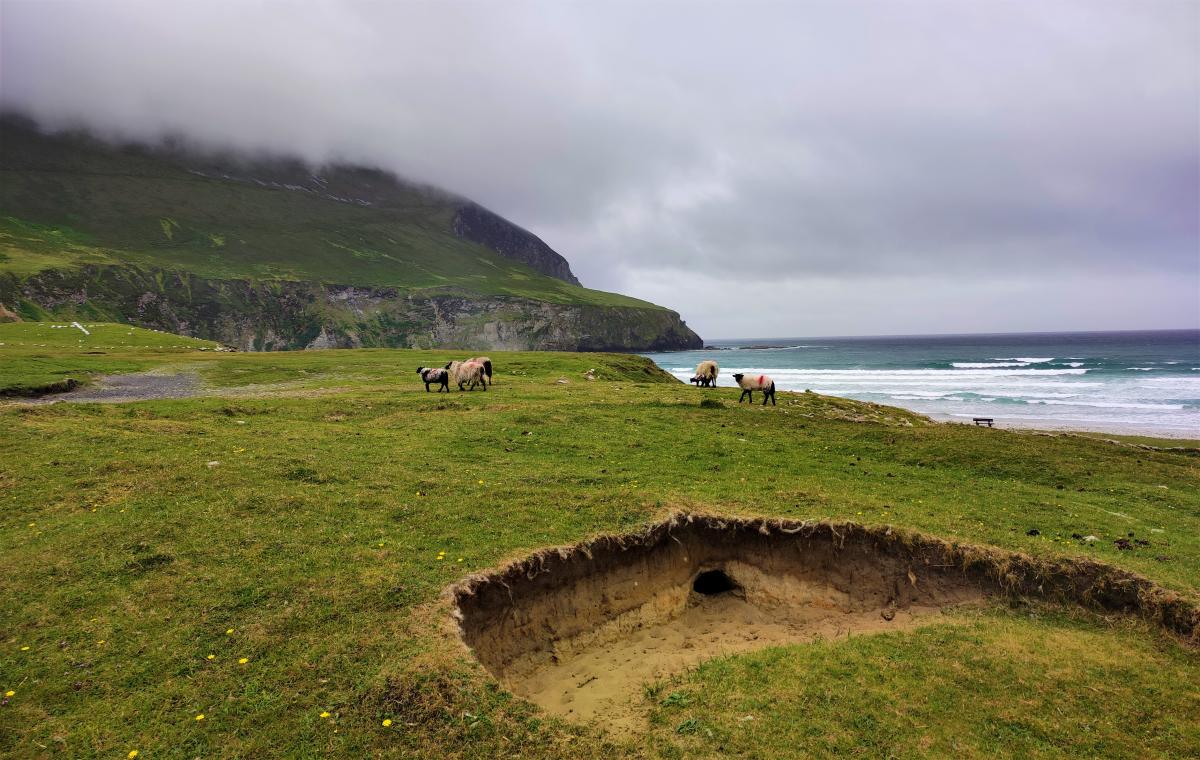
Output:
x=279 y=315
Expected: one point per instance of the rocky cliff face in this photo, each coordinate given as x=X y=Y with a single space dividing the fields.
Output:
x=475 y=223
x=277 y=315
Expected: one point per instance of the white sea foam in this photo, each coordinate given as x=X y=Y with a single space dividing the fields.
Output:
x=1025 y=359
x=984 y=365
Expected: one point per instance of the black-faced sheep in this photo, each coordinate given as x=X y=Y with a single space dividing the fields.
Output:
x=752 y=383
x=706 y=374
x=487 y=367
x=435 y=376
x=464 y=373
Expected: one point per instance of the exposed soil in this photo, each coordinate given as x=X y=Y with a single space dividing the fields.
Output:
x=135 y=386
x=578 y=630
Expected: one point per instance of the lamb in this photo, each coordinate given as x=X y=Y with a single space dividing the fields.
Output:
x=755 y=383
x=706 y=374
x=487 y=367
x=468 y=372
x=435 y=375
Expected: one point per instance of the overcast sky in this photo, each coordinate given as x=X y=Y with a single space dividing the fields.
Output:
x=776 y=169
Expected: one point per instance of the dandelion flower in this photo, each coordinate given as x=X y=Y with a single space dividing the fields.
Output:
x=200 y=716
x=211 y=657
x=24 y=649
x=481 y=482
x=324 y=714
x=460 y=559
x=100 y=641
x=228 y=631
x=10 y=693
x=387 y=722
x=132 y=754
x=243 y=661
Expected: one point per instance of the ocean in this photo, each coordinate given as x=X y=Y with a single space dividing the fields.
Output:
x=1121 y=382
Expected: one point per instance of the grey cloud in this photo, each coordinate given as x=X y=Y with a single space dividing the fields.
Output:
x=828 y=145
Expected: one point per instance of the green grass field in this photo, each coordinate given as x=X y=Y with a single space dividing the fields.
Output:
x=267 y=558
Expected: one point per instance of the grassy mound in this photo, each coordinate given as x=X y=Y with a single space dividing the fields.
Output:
x=274 y=558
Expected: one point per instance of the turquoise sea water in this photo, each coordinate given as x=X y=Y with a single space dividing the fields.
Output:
x=1127 y=382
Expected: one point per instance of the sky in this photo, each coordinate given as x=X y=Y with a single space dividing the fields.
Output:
x=766 y=169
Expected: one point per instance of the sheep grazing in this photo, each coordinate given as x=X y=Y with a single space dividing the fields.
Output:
x=466 y=373
x=435 y=376
x=706 y=374
x=487 y=367
x=752 y=383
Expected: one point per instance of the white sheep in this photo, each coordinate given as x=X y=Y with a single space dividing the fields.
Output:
x=706 y=374
x=464 y=373
x=487 y=367
x=435 y=376
x=752 y=383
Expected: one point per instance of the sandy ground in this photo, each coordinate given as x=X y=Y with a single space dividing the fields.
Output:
x=604 y=684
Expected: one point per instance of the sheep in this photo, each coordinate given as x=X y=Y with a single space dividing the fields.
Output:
x=464 y=373
x=487 y=367
x=755 y=383
x=706 y=374
x=435 y=375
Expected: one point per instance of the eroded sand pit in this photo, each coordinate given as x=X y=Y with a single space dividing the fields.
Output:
x=578 y=630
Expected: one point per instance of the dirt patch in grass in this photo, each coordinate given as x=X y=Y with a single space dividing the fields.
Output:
x=135 y=386
x=580 y=630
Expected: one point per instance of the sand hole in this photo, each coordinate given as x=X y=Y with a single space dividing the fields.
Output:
x=713 y=582
x=579 y=630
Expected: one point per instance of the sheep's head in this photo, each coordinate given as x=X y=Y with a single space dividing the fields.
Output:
x=738 y=377
x=421 y=370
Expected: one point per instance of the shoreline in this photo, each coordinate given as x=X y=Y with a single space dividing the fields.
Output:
x=1082 y=428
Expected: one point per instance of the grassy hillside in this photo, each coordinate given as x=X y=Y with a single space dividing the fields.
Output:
x=40 y=355
x=268 y=558
x=67 y=202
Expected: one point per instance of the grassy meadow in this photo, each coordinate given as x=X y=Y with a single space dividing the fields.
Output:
x=255 y=571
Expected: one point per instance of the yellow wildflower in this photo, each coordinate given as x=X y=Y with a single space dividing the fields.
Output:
x=243 y=661
x=10 y=693
x=228 y=631
x=24 y=649
x=324 y=714
x=200 y=716
x=100 y=641
x=132 y=754
x=460 y=559
x=387 y=722
x=211 y=657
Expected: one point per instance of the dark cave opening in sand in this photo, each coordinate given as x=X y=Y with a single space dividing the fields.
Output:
x=579 y=630
x=713 y=582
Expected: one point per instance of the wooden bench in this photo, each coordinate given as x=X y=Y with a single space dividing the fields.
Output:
x=983 y=421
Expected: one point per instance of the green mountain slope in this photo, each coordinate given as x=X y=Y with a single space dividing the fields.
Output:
x=275 y=254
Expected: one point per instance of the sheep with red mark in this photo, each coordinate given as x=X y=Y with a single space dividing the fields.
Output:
x=487 y=367
x=706 y=374
x=751 y=383
x=435 y=376
x=466 y=373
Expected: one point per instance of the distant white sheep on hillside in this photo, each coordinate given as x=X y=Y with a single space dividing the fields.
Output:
x=706 y=374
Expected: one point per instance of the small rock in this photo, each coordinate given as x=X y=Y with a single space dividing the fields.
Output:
x=211 y=464
x=1090 y=539
x=562 y=381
